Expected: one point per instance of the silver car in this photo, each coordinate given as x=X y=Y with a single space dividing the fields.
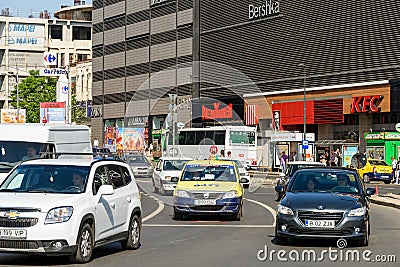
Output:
x=166 y=168
x=140 y=165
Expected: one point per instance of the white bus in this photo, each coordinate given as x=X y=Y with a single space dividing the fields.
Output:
x=238 y=141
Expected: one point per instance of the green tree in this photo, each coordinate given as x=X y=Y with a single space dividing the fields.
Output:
x=78 y=113
x=33 y=90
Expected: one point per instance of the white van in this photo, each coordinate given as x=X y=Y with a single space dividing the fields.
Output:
x=16 y=140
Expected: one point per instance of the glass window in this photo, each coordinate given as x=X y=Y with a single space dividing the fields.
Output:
x=174 y=165
x=126 y=175
x=116 y=178
x=219 y=138
x=199 y=136
x=242 y=137
x=209 y=173
x=100 y=178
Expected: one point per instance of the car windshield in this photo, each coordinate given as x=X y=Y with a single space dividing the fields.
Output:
x=324 y=181
x=194 y=172
x=238 y=164
x=137 y=159
x=377 y=162
x=47 y=178
x=174 y=165
x=13 y=152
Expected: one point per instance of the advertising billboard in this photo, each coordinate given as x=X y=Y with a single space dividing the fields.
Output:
x=52 y=112
x=130 y=139
x=10 y=116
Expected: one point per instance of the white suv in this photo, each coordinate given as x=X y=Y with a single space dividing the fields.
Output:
x=60 y=207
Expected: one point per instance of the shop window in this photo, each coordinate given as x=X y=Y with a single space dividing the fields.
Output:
x=351 y=119
x=81 y=33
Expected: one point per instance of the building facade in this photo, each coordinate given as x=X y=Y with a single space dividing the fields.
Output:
x=24 y=40
x=344 y=54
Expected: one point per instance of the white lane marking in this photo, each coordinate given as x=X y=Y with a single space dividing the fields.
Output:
x=210 y=225
x=262 y=193
x=273 y=212
x=157 y=211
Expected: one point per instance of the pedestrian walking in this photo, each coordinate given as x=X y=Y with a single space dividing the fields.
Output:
x=95 y=142
x=283 y=161
x=333 y=160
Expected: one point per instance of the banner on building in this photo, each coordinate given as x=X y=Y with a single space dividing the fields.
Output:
x=10 y=116
x=130 y=139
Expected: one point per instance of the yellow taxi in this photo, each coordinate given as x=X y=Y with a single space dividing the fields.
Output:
x=209 y=187
x=372 y=169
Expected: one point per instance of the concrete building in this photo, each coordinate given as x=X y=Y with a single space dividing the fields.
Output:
x=345 y=54
x=24 y=40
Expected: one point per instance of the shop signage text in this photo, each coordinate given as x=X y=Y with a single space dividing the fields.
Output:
x=366 y=103
x=217 y=113
x=268 y=9
x=155 y=2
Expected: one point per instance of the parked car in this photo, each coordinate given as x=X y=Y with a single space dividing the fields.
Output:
x=166 y=168
x=140 y=164
x=102 y=152
x=372 y=169
x=324 y=203
x=209 y=187
x=291 y=168
x=69 y=207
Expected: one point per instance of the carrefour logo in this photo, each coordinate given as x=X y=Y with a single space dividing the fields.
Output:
x=267 y=9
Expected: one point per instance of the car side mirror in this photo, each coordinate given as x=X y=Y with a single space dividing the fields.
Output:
x=370 y=191
x=158 y=169
x=244 y=180
x=280 y=189
x=174 y=179
x=106 y=190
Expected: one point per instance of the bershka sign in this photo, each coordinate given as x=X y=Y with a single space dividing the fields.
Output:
x=362 y=104
x=216 y=113
x=268 y=9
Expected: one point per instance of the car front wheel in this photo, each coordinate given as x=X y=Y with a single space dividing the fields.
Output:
x=84 y=250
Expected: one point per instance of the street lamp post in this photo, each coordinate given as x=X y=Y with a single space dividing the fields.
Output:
x=305 y=108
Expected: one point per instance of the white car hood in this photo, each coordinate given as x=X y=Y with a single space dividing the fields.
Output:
x=43 y=201
x=170 y=173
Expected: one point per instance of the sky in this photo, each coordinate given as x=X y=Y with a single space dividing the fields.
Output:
x=24 y=8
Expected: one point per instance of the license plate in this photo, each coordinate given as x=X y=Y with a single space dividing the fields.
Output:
x=12 y=233
x=320 y=223
x=385 y=176
x=205 y=202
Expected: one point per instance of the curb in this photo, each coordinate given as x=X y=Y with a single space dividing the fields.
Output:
x=381 y=201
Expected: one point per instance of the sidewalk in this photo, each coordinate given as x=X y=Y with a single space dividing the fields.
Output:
x=389 y=200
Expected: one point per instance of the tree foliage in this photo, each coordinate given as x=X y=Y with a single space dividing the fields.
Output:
x=33 y=90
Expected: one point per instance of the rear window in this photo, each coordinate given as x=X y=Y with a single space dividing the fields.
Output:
x=377 y=162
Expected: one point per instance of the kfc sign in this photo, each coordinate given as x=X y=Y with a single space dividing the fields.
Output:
x=366 y=103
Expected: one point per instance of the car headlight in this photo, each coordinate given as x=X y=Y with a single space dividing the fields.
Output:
x=284 y=210
x=181 y=193
x=134 y=168
x=231 y=194
x=58 y=215
x=357 y=212
x=168 y=178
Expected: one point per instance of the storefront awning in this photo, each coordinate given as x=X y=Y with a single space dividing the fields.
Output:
x=335 y=142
